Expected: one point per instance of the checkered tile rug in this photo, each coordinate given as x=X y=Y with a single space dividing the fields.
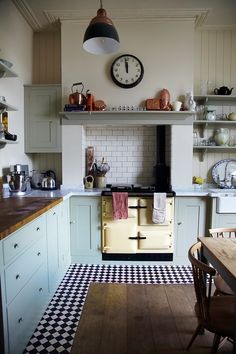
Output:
x=55 y=331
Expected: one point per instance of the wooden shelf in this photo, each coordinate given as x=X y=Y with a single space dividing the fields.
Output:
x=128 y=117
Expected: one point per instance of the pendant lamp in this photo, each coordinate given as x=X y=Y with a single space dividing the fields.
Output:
x=101 y=36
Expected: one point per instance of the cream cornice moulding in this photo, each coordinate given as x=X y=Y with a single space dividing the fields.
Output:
x=197 y=16
x=28 y=14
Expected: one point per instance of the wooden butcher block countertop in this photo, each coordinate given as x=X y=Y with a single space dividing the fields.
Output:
x=16 y=212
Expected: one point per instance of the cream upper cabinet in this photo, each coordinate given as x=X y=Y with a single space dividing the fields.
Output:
x=42 y=121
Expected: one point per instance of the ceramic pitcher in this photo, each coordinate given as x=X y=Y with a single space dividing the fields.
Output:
x=222 y=136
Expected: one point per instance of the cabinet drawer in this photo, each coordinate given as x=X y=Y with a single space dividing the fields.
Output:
x=26 y=310
x=18 y=273
x=22 y=238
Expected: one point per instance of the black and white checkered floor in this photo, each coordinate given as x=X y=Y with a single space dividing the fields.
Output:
x=55 y=331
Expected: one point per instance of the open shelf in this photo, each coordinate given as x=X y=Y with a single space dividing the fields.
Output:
x=5 y=71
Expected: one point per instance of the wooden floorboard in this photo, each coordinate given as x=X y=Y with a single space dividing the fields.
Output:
x=140 y=319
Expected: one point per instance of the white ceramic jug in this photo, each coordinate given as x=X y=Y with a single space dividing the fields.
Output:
x=222 y=136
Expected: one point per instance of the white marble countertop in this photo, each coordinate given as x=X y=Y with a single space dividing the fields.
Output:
x=95 y=192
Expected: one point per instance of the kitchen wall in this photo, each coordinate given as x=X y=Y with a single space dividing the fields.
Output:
x=161 y=46
x=130 y=152
x=164 y=54
x=15 y=46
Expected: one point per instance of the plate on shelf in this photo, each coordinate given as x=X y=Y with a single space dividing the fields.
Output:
x=219 y=170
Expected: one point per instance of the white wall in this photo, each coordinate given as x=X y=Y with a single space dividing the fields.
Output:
x=16 y=46
x=166 y=51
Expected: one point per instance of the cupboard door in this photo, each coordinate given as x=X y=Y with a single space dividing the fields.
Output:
x=85 y=229
x=42 y=122
x=190 y=222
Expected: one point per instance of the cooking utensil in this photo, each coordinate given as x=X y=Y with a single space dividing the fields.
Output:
x=101 y=167
x=49 y=180
x=77 y=97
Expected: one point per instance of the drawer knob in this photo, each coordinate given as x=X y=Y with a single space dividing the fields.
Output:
x=16 y=245
x=54 y=213
x=38 y=228
x=39 y=254
x=17 y=276
x=40 y=290
x=20 y=320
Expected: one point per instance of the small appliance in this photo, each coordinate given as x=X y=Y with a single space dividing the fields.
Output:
x=18 y=180
x=49 y=181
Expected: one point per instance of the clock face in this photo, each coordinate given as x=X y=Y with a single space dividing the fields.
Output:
x=127 y=71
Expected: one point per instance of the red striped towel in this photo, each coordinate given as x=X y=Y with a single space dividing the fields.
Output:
x=120 y=205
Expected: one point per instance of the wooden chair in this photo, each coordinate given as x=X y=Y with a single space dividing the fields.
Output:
x=221 y=286
x=215 y=313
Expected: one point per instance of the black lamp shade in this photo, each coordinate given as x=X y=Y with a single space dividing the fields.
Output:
x=101 y=38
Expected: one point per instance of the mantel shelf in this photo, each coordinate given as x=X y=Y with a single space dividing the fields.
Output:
x=128 y=118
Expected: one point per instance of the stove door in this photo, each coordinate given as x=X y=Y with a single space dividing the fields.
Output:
x=155 y=241
x=146 y=210
x=119 y=236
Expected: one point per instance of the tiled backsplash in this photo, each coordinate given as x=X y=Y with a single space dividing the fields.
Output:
x=129 y=151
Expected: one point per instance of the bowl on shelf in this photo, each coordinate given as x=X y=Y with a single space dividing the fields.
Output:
x=6 y=62
x=232 y=116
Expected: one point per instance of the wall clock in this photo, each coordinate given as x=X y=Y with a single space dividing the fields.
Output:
x=127 y=71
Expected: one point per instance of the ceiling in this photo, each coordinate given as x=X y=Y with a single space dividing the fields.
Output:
x=42 y=13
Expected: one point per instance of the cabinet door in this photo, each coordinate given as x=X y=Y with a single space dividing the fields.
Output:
x=42 y=122
x=221 y=220
x=64 y=235
x=190 y=222
x=53 y=246
x=85 y=229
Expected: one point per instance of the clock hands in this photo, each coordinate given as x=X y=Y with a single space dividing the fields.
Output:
x=126 y=65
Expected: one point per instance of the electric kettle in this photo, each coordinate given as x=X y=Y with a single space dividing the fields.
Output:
x=49 y=181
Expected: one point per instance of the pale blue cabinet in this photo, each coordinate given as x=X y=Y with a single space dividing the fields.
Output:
x=190 y=222
x=58 y=243
x=24 y=285
x=85 y=219
x=221 y=220
x=42 y=121
x=33 y=261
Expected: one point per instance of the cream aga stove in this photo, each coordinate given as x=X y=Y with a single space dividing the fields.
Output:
x=137 y=237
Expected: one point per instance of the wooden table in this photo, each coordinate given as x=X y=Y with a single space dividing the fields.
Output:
x=221 y=253
x=139 y=319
